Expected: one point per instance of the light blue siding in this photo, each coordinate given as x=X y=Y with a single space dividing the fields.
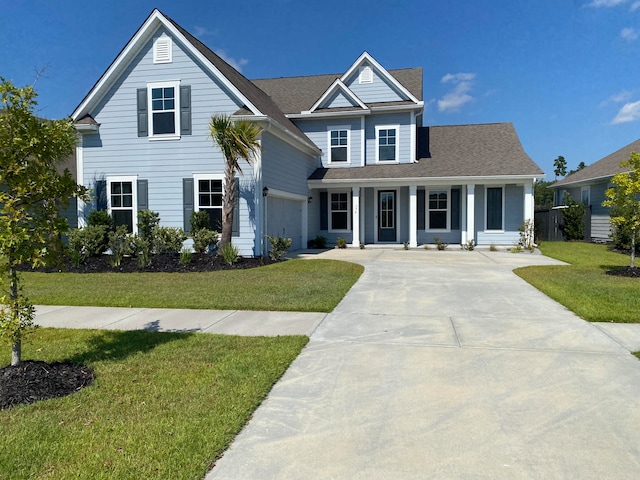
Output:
x=403 y=120
x=513 y=199
x=597 y=197
x=317 y=131
x=337 y=100
x=285 y=168
x=380 y=90
x=514 y=207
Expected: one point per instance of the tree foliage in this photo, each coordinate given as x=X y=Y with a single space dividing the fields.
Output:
x=543 y=195
x=574 y=216
x=560 y=165
x=623 y=200
x=32 y=193
x=238 y=139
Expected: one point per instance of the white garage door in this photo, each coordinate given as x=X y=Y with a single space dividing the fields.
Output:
x=284 y=219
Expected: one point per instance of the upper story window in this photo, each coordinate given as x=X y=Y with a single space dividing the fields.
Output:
x=162 y=51
x=366 y=74
x=164 y=110
x=438 y=210
x=339 y=145
x=387 y=143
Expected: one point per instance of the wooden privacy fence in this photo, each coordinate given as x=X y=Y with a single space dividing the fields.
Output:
x=549 y=224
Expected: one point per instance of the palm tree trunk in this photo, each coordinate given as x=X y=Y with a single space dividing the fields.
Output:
x=228 y=204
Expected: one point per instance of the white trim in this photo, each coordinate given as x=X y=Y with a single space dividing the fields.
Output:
x=363 y=142
x=80 y=205
x=332 y=114
x=162 y=49
x=529 y=207
x=427 y=210
x=377 y=211
x=486 y=209
x=287 y=195
x=130 y=51
x=365 y=74
x=355 y=214
x=175 y=84
x=419 y=181
x=134 y=196
x=397 y=149
x=329 y=211
x=365 y=57
x=412 y=147
x=338 y=85
x=282 y=133
x=338 y=128
x=413 y=216
x=471 y=212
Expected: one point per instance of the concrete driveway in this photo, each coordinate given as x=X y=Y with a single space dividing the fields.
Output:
x=445 y=365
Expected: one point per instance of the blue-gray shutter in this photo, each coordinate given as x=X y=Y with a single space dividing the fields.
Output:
x=143 y=120
x=455 y=209
x=235 y=227
x=101 y=194
x=324 y=211
x=185 y=110
x=187 y=202
x=421 y=205
x=143 y=194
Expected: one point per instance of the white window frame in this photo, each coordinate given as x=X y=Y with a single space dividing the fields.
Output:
x=486 y=209
x=196 y=188
x=329 y=147
x=397 y=151
x=134 y=197
x=365 y=74
x=448 y=210
x=330 y=211
x=162 y=49
x=176 y=111
x=586 y=190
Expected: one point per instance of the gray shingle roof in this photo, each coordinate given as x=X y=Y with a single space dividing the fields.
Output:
x=605 y=167
x=298 y=94
x=482 y=150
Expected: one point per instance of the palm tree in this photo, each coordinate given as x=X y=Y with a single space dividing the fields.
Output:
x=238 y=139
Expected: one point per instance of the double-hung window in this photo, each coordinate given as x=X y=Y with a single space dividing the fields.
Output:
x=208 y=196
x=339 y=145
x=495 y=208
x=387 y=143
x=164 y=115
x=122 y=201
x=438 y=210
x=339 y=211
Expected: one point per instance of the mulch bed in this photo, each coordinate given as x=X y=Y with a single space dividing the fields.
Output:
x=166 y=263
x=35 y=380
x=625 y=272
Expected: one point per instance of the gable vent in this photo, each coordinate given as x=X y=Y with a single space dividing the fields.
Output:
x=366 y=74
x=162 y=50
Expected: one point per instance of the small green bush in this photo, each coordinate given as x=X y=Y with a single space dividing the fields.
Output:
x=493 y=248
x=405 y=245
x=279 y=247
x=168 y=239
x=318 y=242
x=86 y=242
x=470 y=245
x=230 y=253
x=148 y=221
x=341 y=243
x=199 y=221
x=141 y=248
x=203 y=239
x=440 y=245
x=100 y=217
x=185 y=256
x=573 y=215
x=120 y=245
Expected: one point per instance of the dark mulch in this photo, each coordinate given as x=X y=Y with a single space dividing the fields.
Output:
x=166 y=262
x=625 y=272
x=34 y=380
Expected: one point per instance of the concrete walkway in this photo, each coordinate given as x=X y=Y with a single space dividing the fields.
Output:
x=446 y=365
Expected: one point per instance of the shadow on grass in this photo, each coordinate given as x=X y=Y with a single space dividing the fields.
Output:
x=120 y=344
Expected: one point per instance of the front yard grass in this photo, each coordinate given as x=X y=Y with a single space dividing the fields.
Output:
x=584 y=287
x=294 y=285
x=163 y=405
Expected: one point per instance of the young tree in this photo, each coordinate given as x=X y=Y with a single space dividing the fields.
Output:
x=560 y=165
x=31 y=195
x=542 y=194
x=623 y=200
x=238 y=139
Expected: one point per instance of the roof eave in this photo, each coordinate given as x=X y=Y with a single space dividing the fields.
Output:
x=277 y=129
x=419 y=181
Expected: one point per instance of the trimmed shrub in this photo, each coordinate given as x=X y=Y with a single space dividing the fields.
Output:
x=86 y=242
x=168 y=239
x=573 y=219
x=318 y=242
x=341 y=243
x=148 y=221
x=279 y=247
x=199 y=221
x=203 y=239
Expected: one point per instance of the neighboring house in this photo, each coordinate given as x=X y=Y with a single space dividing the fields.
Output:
x=343 y=155
x=589 y=184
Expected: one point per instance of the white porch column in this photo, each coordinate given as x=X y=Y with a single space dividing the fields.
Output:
x=355 y=215
x=528 y=201
x=413 y=216
x=471 y=210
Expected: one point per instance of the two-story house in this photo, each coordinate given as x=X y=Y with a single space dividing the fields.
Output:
x=343 y=155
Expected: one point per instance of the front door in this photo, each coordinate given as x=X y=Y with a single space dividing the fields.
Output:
x=387 y=216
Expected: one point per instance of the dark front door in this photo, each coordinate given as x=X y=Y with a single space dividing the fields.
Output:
x=387 y=216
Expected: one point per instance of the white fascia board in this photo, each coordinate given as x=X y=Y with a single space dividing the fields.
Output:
x=389 y=108
x=366 y=57
x=86 y=128
x=421 y=181
x=131 y=49
x=335 y=86
x=345 y=113
x=282 y=133
x=586 y=181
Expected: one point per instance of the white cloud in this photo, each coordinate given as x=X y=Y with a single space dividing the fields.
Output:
x=630 y=112
x=620 y=97
x=202 y=31
x=237 y=64
x=635 y=6
x=629 y=34
x=456 y=98
x=605 y=3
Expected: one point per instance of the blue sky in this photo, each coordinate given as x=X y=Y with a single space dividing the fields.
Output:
x=565 y=72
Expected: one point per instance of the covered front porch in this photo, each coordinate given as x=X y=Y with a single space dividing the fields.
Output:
x=490 y=212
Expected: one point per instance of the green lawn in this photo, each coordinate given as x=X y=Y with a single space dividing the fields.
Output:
x=294 y=285
x=164 y=405
x=584 y=287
